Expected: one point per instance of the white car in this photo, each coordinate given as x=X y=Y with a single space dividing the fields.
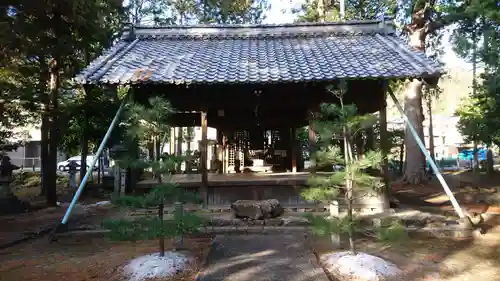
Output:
x=63 y=166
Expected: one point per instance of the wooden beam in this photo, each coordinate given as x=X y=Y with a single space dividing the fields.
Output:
x=203 y=159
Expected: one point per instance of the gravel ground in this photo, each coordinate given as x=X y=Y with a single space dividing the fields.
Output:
x=283 y=257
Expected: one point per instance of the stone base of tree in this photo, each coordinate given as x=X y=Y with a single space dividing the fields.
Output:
x=153 y=266
x=257 y=210
x=345 y=266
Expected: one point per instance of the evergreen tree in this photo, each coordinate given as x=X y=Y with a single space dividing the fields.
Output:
x=338 y=125
x=149 y=123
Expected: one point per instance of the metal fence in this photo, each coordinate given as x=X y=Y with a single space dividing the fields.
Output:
x=33 y=163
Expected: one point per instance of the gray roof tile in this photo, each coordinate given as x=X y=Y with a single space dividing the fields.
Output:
x=258 y=54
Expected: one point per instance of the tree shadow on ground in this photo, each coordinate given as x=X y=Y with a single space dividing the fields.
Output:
x=271 y=257
x=445 y=259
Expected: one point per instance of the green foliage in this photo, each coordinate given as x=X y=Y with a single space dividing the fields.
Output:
x=147 y=123
x=477 y=39
x=341 y=123
x=389 y=232
x=393 y=232
x=149 y=228
x=314 y=11
x=338 y=126
x=162 y=12
x=322 y=226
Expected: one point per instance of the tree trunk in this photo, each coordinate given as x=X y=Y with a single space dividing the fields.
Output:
x=489 y=162
x=475 y=157
x=50 y=177
x=401 y=158
x=85 y=137
x=431 y=129
x=349 y=192
x=44 y=150
x=44 y=142
x=415 y=160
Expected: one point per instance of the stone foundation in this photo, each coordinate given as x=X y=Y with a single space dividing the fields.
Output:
x=367 y=203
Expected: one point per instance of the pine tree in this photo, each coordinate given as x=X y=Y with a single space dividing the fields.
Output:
x=338 y=126
x=146 y=123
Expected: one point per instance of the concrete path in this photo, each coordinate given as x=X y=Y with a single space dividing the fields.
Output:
x=271 y=257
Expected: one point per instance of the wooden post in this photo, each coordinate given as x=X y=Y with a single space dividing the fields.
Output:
x=178 y=148
x=293 y=150
x=384 y=141
x=225 y=153
x=203 y=159
x=312 y=133
x=311 y=137
x=220 y=151
x=172 y=141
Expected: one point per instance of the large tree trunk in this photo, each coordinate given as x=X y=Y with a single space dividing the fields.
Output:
x=431 y=130
x=44 y=151
x=50 y=176
x=475 y=153
x=85 y=137
x=44 y=142
x=415 y=160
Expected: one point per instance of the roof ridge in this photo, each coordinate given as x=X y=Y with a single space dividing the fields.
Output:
x=260 y=25
x=259 y=31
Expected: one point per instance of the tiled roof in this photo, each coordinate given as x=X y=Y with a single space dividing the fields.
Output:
x=258 y=54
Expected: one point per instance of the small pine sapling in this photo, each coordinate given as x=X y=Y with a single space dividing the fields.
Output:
x=337 y=127
x=149 y=124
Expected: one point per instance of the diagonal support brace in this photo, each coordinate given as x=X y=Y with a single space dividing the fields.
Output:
x=79 y=191
x=433 y=165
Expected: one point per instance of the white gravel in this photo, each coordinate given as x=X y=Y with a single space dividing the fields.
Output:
x=346 y=267
x=154 y=266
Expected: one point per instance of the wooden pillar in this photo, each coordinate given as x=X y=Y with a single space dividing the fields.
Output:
x=203 y=159
x=220 y=151
x=311 y=135
x=293 y=150
x=225 y=153
x=178 y=148
x=172 y=141
x=384 y=140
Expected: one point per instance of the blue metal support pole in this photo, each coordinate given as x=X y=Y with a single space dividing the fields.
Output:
x=433 y=165
x=94 y=160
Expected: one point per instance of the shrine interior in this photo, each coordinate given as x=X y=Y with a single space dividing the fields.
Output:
x=257 y=124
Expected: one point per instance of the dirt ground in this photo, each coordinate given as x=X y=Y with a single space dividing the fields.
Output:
x=433 y=258
x=84 y=258
x=26 y=186
x=442 y=259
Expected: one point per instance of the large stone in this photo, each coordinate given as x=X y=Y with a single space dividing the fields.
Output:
x=345 y=266
x=257 y=210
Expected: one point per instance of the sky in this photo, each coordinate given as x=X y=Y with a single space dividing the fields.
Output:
x=280 y=12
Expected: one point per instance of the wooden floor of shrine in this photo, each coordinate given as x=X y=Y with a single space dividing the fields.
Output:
x=223 y=189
